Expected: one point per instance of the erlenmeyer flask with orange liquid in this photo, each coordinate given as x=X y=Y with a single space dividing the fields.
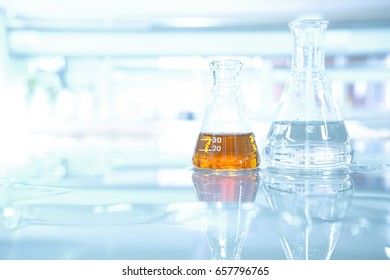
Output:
x=226 y=140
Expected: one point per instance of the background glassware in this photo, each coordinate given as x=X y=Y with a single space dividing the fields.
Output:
x=226 y=140
x=309 y=211
x=308 y=132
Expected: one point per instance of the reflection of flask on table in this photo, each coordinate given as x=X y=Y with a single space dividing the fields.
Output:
x=226 y=140
x=309 y=211
x=308 y=132
x=229 y=196
x=226 y=186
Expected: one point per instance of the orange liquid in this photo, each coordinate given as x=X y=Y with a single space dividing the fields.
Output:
x=226 y=151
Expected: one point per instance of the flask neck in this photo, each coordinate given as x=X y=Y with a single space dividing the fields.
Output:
x=221 y=79
x=226 y=72
x=309 y=40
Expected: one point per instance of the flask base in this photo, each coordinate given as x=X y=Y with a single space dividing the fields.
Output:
x=308 y=146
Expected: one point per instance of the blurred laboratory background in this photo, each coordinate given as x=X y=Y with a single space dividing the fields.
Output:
x=101 y=104
x=123 y=83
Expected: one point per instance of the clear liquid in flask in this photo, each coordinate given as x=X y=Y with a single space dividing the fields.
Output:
x=309 y=145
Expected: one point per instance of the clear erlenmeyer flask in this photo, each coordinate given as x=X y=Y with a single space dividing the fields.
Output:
x=226 y=140
x=308 y=133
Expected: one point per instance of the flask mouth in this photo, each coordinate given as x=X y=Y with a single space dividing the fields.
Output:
x=226 y=65
x=308 y=23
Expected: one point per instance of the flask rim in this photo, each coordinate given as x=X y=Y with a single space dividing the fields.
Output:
x=308 y=23
x=226 y=65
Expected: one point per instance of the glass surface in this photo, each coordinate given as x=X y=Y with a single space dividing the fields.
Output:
x=202 y=214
